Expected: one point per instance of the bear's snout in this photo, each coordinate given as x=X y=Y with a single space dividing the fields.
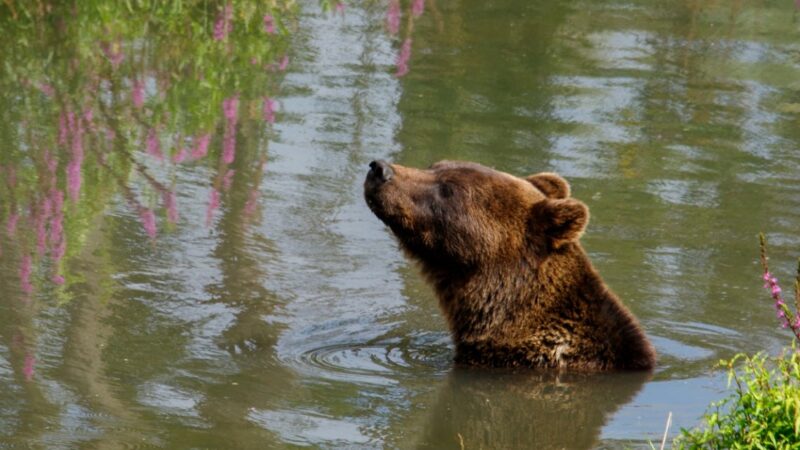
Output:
x=380 y=171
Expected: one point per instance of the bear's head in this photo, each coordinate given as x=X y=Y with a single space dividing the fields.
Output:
x=460 y=215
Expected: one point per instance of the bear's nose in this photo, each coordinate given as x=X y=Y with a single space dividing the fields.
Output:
x=380 y=170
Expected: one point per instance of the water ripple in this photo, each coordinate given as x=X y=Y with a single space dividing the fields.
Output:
x=380 y=363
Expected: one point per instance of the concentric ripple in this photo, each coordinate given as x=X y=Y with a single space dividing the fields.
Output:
x=383 y=362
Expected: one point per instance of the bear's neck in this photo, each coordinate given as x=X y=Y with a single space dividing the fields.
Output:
x=505 y=298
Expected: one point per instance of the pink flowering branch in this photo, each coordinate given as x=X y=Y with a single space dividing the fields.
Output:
x=137 y=94
x=393 y=17
x=788 y=318
x=28 y=367
x=269 y=110
x=171 y=205
x=153 y=144
x=200 y=149
x=402 y=58
x=113 y=51
x=25 y=271
x=417 y=7
x=213 y=205
x=393 y=25
x=230 y=108
x=269 y=24
x=180 y=155
x=140 y=168
x=148 y=219
x=224 y=23
x=284 y=63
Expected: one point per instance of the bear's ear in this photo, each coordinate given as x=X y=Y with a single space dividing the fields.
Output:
x=551 y=184
x=561 y=220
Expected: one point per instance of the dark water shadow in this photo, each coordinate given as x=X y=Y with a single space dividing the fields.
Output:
x=526 y=410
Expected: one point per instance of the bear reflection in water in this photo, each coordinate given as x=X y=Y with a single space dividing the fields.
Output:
x=531 y=409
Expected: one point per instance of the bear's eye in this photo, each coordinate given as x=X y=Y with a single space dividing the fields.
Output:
x=445 y=190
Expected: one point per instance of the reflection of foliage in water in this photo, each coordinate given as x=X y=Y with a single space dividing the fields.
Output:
x=100 y=97
x=393 y=19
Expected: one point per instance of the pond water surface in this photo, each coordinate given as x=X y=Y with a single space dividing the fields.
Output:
x=277 y=312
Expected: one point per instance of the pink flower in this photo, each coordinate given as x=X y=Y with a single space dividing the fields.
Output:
x=148 y=219
x=269 y=24
x=40 y=223
x=57 y=243
x=113 y=52
x=393 y=17
x=171 y=206
x=47 y=207
x=213 y=204
x=11 y=225
x=223 y=25
x=63 y=130
x=201 y=148
x=74 y=166
x=227 y=181
x=74 y=179
x=47 y=89
x=403 y=57
x=25 y=274
x=137 y=94
x=230 y=107
x=27 y=369
x=72 y=125
x=339 y=7
x=180 y=156
x=252 y=203
x=57 y=279
x=52 y=164
x=229 y=145
x=269 y=110
x=417 y=8
x=153 y=144
x=780 y=305
x=283 y=63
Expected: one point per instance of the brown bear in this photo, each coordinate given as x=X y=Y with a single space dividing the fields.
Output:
x=502 y=253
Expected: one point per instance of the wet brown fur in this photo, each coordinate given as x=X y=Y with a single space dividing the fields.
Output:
x=502 y=253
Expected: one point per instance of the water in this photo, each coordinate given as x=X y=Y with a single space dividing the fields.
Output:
x=294 y=321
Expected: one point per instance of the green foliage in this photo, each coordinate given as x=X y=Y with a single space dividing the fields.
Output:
x=764 y=410
x=762 y=413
